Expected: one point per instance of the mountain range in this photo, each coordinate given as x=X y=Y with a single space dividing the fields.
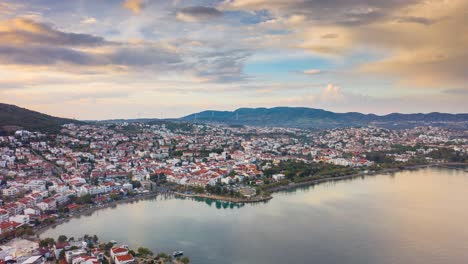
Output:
x=13 y=118
x=303 y=117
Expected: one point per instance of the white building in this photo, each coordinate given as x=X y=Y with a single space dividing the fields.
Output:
x=3 y=215
x=278 y=177
x=12 y=191
x=22 y=219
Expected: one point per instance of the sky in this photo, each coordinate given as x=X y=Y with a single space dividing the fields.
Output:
x=89 y=59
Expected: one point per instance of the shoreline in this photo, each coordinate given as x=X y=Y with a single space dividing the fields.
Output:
x=90 y=210
x=226 y=198
x=291 y=185
x=346 y=177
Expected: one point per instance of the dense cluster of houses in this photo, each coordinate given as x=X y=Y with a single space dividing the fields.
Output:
x=70 y=251
x=40 y=173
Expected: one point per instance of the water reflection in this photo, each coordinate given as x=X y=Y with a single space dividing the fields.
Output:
x=407 y=217
x=210 y=202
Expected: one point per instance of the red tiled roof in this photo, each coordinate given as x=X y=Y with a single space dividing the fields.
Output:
x=118 y=250
x=126 y=257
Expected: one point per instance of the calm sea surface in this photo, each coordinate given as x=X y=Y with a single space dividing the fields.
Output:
x=407 y=217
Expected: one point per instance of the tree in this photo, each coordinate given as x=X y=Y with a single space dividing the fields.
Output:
x=136 y=184
x=62 y=254
x=62 y=239
x=199 y=189
x=114 y=196
x=185 y=260
x=142 y=251
x=162 y=256
x=22 y=231
x=108 y=246
x=47 y=242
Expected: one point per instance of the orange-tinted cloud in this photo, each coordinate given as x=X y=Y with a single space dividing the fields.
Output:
x=134 y=5
x=421 y=43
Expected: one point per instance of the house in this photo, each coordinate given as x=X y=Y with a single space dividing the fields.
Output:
x=124 y=259
x=51 y=204
x=37 y=197
x=278 y=177
x=34 y=260
x=74 y=207
x=97 y=253
x=13 y=208
x=127 y=186
x=227 y=180
x=21 y=219
x=27 y=202
x=6 y=227
x=12 y=191
x=85 y=260
x=59 y=247
x=43 y=206
x=32 y=211
x=3 y=215
x=118 y=251
x=72 y=254
x=61 y=198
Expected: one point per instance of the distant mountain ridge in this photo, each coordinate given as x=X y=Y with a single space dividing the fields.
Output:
x=13 y=117
x=303 y=117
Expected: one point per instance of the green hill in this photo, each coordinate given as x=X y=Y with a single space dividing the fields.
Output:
x=13 y=118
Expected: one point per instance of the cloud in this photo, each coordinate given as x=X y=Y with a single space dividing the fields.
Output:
x=26 y=42
x=312 y=72
x=20 y=31
x=432 y=56
x=369 y=45
x=197 y=13
x=350 y=12
x=129 y=56
x=417 y=43
x=330 y=36
x=418 y=20
x=7 y=8
x=332 y=93
x=463 y=92
x=43 y=55
x=88 y=21
x=221 y=66
x=37 y=45
x=134 y=5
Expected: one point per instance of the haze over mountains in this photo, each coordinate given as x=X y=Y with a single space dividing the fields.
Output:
x=13 y=117
x=303 y=117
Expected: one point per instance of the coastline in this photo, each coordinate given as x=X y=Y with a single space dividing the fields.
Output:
x=226 y=198
x=90 y=210
x=318 y=181
x=346 y=177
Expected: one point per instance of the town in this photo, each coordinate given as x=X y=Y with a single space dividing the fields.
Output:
x=46 y=178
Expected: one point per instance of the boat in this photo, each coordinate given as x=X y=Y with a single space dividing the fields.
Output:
x=176 y=254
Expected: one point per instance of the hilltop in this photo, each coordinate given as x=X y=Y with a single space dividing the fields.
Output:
x=13 y=118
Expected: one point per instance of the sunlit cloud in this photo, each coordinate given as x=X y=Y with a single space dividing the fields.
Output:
x=359 y=55
x=134 y=5
x=89 y=20
x=312 y=72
